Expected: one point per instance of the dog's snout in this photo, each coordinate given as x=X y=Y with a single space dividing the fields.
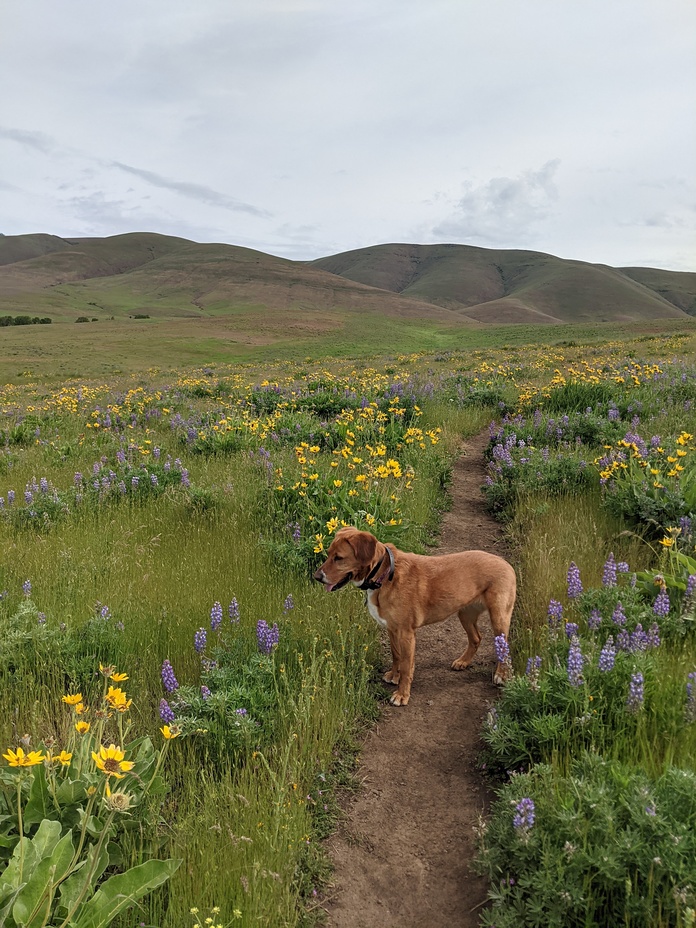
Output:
x=319 y=575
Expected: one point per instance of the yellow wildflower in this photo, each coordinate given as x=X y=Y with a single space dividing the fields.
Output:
x=19 y=759
x=72 y=700
x=111 y=761
x=82 y=727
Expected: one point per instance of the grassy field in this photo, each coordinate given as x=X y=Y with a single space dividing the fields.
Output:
x=161 y=519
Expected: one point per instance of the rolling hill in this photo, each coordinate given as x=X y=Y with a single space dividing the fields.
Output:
x=164 y=276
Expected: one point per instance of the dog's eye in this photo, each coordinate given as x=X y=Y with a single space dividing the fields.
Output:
x=337 y=557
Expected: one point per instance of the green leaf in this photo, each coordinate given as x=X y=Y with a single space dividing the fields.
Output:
x=123 y=890
x=34 y=901
x=70 y=890
x=70 y=792
x=39 y=805
x=40 y=846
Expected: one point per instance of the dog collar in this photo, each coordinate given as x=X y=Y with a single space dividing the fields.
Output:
x=374 y=584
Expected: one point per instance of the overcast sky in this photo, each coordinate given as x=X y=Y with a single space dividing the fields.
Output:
x=308 y=127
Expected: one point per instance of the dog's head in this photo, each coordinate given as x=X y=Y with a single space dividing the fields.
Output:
x=350 y=557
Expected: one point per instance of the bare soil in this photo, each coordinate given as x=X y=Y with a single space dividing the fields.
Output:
x=403 y=851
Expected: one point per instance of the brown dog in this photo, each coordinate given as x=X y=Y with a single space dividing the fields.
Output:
x=405 y=591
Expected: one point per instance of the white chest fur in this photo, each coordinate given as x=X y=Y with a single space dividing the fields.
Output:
x=371 y=600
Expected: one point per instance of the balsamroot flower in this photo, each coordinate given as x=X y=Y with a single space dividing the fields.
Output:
x=117 y=699
x=111 y=761
x=73 y=699
x=19 y=759
x=170 y=731
x=574 y=584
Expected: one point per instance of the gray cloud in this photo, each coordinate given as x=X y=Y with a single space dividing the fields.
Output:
x=195 y=191
x=503 y=210
x=39 y=141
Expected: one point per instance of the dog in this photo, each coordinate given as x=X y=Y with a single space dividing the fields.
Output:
x=405 y=591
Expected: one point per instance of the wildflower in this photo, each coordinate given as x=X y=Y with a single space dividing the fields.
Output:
x=594 y=620
x=233 y=610
x=607 y=655
x=19 y=759
x=661 y=604
x=555 y=613
x=169 y=681
x=639 y=639
x=117 y=699
x=502 y=649
x=200 y=639
x=619 y=616
x=523 y=818
x=111 y=761
x=215 y=617
x=574 y=584
x=623 y=640
x=622 y=567
x=118 y=801
x=119 y=677
x=533 y=663
x=571 y=630
x=636 y=695
x=205 y=693
x=170 y=731
x=26 y=587
x=575 y=663
x=166 y=712
x=609 y=571
x=267 y=637
x=72 y=700
x=690 y=709
x=289 y=603
x=82 y=727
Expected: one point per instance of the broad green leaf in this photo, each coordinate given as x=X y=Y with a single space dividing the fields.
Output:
x=34 y=901
x=70 y=791
x=123 y=890
x=40 y=846
x=70 y=890
x=39 y=806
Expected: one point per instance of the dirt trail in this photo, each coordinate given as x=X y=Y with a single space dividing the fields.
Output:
x=403 y=851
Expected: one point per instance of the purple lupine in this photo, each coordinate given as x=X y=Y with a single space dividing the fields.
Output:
x=166 y=712
x=26 y=587
x=609 y=571
x=574 y=584
x=653 y=636
x=153 y=479
x=571 y=630
x=502 y=649
x=233 y=610
x=607 y=655
x=200 y=639
x=523 y=818
x=266 y=636
x=121 y=456
x=185 y=482
x=636 y=693
x=575 y=663
x=690 y=709
x=43 y=484
x=169 y=681
x=533 y=663
x=623 y=640
x=618 y=616
x=555 y=613
x=134 y=482
x=289 y=603
x=622 y=567
x=661 y=604
x=241 y=712
x=216 y=616
x=41 y=618
x=78 y=478
x=10 y=497
x=205 y=692
x=594 y=620
x=639 y=639
x=690 y=592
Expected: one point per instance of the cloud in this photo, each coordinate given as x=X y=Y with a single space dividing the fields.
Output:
x=39 y=141
x=194 y=191
x=503 y=210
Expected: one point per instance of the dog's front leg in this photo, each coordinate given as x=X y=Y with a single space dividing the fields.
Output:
x=407 y=656
x=392 y=676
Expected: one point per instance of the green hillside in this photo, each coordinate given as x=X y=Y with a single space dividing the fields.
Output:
x=679 y=287
x=498 y=286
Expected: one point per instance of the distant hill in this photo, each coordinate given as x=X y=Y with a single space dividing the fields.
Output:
x=517 y=286
x=165 y=276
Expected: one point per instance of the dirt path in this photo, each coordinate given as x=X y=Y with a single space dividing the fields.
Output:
x=402 y=854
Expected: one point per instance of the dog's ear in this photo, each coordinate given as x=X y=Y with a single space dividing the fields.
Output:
x=365 y=546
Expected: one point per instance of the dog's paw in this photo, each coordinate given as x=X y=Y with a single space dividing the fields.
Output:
x=498 y=678
x=398 y=699
x=391 y=677
x=460 y=664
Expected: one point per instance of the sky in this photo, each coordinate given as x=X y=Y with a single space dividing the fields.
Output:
x=304 y=128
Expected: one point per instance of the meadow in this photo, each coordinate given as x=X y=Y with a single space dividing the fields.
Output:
x=179 y=704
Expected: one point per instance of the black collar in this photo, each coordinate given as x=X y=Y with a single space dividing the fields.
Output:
x=387 y=574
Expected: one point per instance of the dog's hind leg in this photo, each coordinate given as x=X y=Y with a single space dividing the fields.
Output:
x=392 y=676
x=469 y=616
